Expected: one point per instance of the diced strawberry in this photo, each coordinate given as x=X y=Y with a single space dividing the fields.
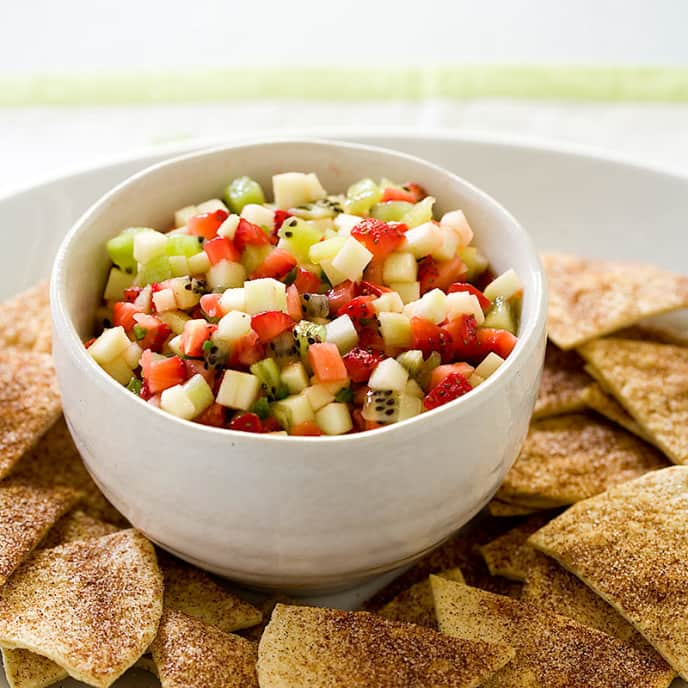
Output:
x=195 y=333
x=373 y=273
x=247 y=350
x=434 y=274
x=364 y=318
x=416 y=190
x=294 y=302
x=484 y=302
x=280 y=217
x=463 y=331
x=452 y=387
x=210 y=303
x=246 y=422
x=198 y=368
x=271 y=424
x=308 y=428
x=150 y=332
x=326 y=362
x=131 y=293
x=369 y=289
x=427 y=273
x=221 y=248
x=271 y=324
x=165 y=373
x=360 y=363
x=277 y=264
x=484 y=278
x=307 y=282
x=358 y=308
x=123 y=314
x=145 y=361
x=380 y=238
x=249 y=234
x=500 y=342
x=391 y=193
x=444 y=371
x=215 y=416
x=428 y=337
x=206 y=224
x=341 y=295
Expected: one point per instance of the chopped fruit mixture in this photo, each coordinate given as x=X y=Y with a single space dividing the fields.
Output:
x=315 y=314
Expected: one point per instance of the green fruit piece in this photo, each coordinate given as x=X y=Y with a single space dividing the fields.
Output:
x=121 y=251
x=267 y=371
x=422 y=376
x=183 y=245
x=241 y=192
x=475 y=262
x=391 y=211
x=319 y=210
x=419 y=213
x=307 y=333
x=283 y=348
x=156 y=270
x=293 y=410
x=253 y=256
x=501 y=316
x=297 y=236
x=412 y=361
x=381 y=406
x=362 y=196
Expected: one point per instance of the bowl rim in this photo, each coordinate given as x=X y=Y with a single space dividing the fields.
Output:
x=62 y=322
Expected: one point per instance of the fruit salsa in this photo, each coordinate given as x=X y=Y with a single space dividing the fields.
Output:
x=314 y=314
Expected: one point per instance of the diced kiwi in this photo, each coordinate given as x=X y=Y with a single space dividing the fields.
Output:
x=267 y=371
x=297 y=236
x=306 y=333
x=241 y=192
x=501 y=316
x=411 y=360
x=362 y=196
x=283 y=348
x=475 y=262
x=315 y=305
x=183 y=245
x=422 y=377
x=318 y=210
x=391 y=211
x=156 y=270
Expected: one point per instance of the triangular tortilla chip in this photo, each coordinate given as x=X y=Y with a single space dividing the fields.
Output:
x=266 y=607
x=25 y=669
x=56 y=462
x=509 y=555
x=630 y=545
x=569 y=458
x=91 y=606
x=501 y=509
x=195 y=593
x=648 y=332
x=551 y=651
x=188 y=653
x=29 y=403
x=416 y=605
x=598 y=400
x=651 y=382
x=562 y=384
x=74 y=526
x=26 y=515
x=590 y=298
x=25 y=319
x=326 y=648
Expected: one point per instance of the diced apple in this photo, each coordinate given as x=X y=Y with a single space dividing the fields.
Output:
x=238 y=390
x=341 y=331
x=199 y=263
x=345 y=223
x=413 y=389
x=233 y=300
x=228 y=228
x=175 y=400
x=448 y=246
x=352 y=259
x=409 y=406
x=395 y=329
x=334 y=419
x=118 y=281
x=179 y=266
x=423 y=240
x=149 y=245
x=132 y=355
x=475 y=380
x=175 y=346
x=183 y=215
x=118 y=369
x=408 y=291
x=184 y=294
x=506 y=285
x=431 y=306
x=211 y=205
x=400 y=267
x=111 y=344
x=456 y=221
x=258 y=215
x=226 y=275
x=389 y=302
x=333 y=275
x=293 y=410
x=199 y=392
x=463 y=303
x=175 y=320
x=489 y=365
x=326 y=250
x=164 y=300
x=389 y=374
x=294 y=377
x=293 y=189
x=265 y=294
x=318 y=396
x=232 y=326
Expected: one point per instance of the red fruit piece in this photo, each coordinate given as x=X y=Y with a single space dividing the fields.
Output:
x=131 y=293
x=215 y=415
x=150 y=332
x=165 y=373
x=416 y=190
x=501 y=342
x=360 y=363
x=280 y=217
x=369 y=289
x=452 y=387
x=434 y=274
x=195 y=334
x=198 y=368
x=463 y=331
x=294 y=303
x=246 y=351
x=427 y=273
x=484 y=302
x=444 y=371
x=123 y=314
x=221 y=248
x=326 y=362
x=428 y=337
x=307 y=282
x=364 y=318
x=380 y=238
x=277 y=264
x=249 y=234
x=308 y=428
x=374 y=272
x=341 y=295
x=206 y=224
x=247 y=422
x=484 y=278
x=210 y=303
x=271 y=324
x=271 y=424
x=391 y=193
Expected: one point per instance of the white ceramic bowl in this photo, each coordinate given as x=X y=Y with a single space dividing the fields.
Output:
x=295 y=513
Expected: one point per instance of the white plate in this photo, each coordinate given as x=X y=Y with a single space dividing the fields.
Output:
x=569 y=200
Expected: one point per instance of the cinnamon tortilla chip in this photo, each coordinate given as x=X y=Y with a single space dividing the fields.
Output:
x=415 y=605
x=56 y=462
x=266 y=607
x=651 y=382
x=74 y=526
x=569 y=458
x=562 y=384
x=29 y=403
x=326 y=648
x=630 y=545
x=26 y=515
x=195 y=593
x=591 y=298
x=25 y=669
x=188 y=653
x=91 y=606
x=500 y=509
x=25 y=320
x=598 y=400
x=552 y=651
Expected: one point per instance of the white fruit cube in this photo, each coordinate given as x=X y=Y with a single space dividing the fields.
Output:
x=226 y=274
x=238 y=390
x=294 y=377
x=400 y=267
x=258 y=215
x=118 y=281
x=183 y=215
x=395 y=329
x=175 y=320
x=318 y=396
x=175 y=346
x=448 y=246
x=132 y=355
x=352 y=259
x=326 y=250
x=211 y=205
x=232 y=326
x=233 y=300
x=334 y=419
x=431 y=306
x=341 y=331
x=184 y=294
x=389 y=302
x=413 y=389
x=111 y=344
x=489 y=365
x=332 y=273
x=199 y=263
x=265 y=294
x=179 y=266
x=409 y=406
x=118 y=369
x=294 y=410
x=463 y=303
x=149 y=245
x=475 y=380
x=457 y=222
x=228 y=227
x=423 y=240
x=408 y=291
x=345 y=223
x=199 y=392
x=176 y=401
x=293 y=189
x=389 y=374
x=164 y=300
x=506 y=285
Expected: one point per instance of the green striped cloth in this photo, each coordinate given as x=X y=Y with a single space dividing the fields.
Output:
x=603 y=84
